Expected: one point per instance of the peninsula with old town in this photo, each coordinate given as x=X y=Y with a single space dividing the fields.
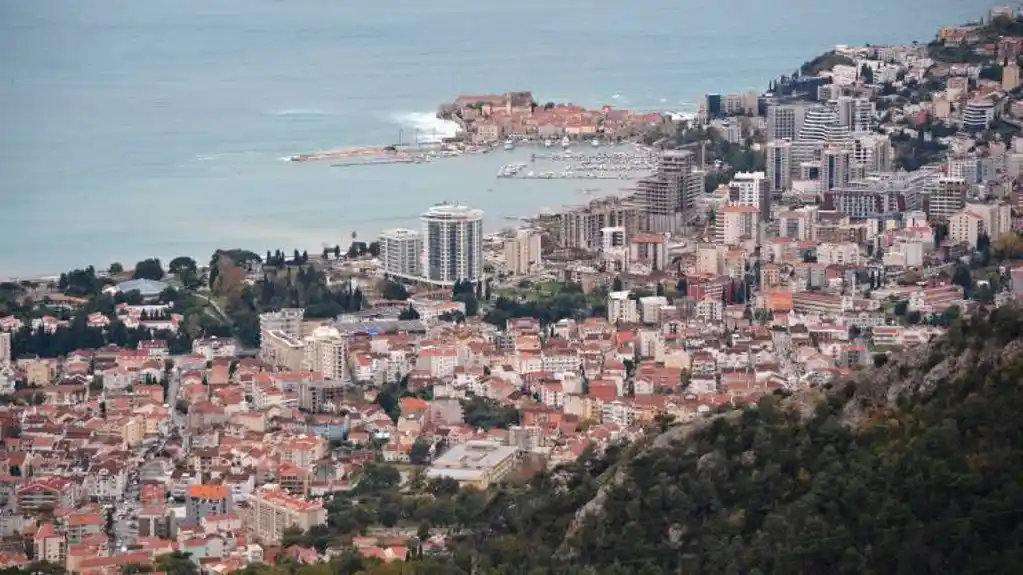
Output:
x=393 y=399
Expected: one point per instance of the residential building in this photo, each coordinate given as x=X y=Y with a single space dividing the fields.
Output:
x=274 y=510
x=580 y=228
x=968 y=224
x=844 y=253
x=280 y=349
x=215 y=347
x=452 y=244
x=5 y=349
x=326 y=352
x=734 y=224
x=979 y=113
x=47 y=493
x=49 y=545
x=751 y=189
x=882 y=195
x=622 y=307
x=612 y=237
x=856 y=114
x=477 y=464
x=401 y=253
x=820 y=128
x=836 y=168
x=287 y=320
x=946 y=199
x=202 y=500
x=873 y=154
x=784 y=121
x=663 y=197
x=779 y=165
x=522 y=252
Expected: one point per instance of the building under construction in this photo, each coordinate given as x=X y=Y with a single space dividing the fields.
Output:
x=664 y=198
x=578 y=228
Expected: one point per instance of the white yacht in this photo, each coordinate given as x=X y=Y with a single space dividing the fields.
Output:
x=595 y=142
x=509 y=144
x=565 y=142
x=548 y=143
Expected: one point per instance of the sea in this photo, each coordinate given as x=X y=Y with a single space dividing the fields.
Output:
x=157 y=129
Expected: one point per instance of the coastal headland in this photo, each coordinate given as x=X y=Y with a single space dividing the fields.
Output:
x=486 y=120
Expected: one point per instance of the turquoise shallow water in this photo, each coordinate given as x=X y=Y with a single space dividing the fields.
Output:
x=134 y=129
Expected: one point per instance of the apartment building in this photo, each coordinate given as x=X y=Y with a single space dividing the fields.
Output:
x=948 y=197
x=735 y=224
x=401 y=253
x=580 y=228
x=5 y=349
x=522 y=252
x=935 y=300
x=785 y=121
x=452 y=244
x=622 y=307
x=281 y=350
x=751 y=189
x=836 y=168
x=326 y=352
x=273 y=510
x=287 y=320
x=817 y=303
x=202 y=500
x=779 y=165
x=47 y=493
x=968 y=224
x=841 y=253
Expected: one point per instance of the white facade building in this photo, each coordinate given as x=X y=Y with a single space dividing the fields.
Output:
x=844 y=253
x=326 y=351
x=452 y=244
x=785 y=121
x=401 y=253
x=751 y=189
x=287 y=320
x=621 y=307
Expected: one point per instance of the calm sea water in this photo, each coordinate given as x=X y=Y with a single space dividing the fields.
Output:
x=135 y=129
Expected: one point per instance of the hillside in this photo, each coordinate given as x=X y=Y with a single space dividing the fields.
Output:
x=914 y=467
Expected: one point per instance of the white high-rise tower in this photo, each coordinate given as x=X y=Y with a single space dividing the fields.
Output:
x=452 y=244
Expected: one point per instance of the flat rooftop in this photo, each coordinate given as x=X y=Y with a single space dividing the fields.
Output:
x=472 y=456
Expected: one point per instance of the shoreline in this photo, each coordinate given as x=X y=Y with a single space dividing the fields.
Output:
x=370 y=155
x=511 y=220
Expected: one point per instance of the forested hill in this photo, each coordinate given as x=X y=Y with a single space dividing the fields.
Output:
x=913 y=468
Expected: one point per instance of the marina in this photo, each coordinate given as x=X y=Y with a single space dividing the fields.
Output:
x=569 y=165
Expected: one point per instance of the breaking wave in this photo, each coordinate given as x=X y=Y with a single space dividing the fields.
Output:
x=430 y=127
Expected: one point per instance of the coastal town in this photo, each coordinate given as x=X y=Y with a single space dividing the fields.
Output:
x=375 y=404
